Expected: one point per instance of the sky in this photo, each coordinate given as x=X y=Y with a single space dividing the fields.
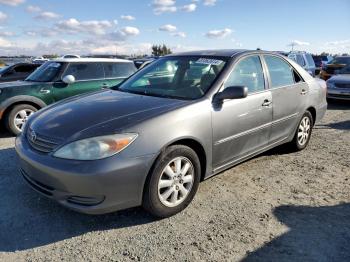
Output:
x=37 y=27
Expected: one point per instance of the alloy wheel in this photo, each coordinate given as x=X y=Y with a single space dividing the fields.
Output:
x=304 y=130
x=21 y=118
x=176 y=181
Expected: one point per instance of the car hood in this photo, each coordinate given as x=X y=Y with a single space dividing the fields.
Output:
x=340 y=78
x=15 y=84
x=100 y=113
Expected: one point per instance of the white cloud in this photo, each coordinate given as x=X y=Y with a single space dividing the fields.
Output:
x=189 y=8
x=4 y=43
x=168 y=28
x=47 y=16
x=339 y=42
x=130 y=31
x=164 y=6
x=3 y=17
x=209 y=2
x=179 y=34
x=33 y=9
x=73 y=25
x=12 y=2
x=298 y=43
x=219 y=33
x=127 y=17
x=7 y=33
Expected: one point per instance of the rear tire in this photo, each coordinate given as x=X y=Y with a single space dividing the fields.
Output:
x=17 y=117
x=303 y=133
x=173 y=182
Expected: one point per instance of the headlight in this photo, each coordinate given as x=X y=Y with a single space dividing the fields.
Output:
x=330 y=85
x=96 y=147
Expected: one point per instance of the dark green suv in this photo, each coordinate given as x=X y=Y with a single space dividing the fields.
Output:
x=56 y=80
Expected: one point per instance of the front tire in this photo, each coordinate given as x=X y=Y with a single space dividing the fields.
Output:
x=17 y=117
x=303 y=133
x=173 y=182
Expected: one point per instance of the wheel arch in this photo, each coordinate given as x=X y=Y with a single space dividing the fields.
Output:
x=312 y=110
x=18 y=100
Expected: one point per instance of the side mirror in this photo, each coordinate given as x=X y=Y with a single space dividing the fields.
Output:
x=232 y=92
x=68 y=79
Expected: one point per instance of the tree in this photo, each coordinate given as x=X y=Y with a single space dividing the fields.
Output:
x=160 y=50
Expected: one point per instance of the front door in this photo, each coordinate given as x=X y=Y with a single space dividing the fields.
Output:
x=89 y=77
x=242 y=126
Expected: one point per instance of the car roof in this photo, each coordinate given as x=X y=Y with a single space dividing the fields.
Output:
x=217 y=52
x=224 y=52
x=87 y=60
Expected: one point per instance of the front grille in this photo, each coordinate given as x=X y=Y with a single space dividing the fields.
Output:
x=342 y=85
x=41 y=143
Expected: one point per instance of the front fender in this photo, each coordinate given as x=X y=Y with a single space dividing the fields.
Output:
x=22 y=99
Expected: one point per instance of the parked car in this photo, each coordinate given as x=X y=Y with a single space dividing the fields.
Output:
x=141 y=62
x=40 y=60
x=56 y=80
x=16 y=72
x=305 y=60
x=153 y=139
x=334 y=66
x=71 y=56
x=320 y=61
x=338 y=86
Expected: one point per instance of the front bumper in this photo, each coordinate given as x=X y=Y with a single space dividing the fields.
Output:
x=91 y=187
x=338 y=93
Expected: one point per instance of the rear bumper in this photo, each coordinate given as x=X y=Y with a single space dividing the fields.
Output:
x=91 y=187
x=321 y=111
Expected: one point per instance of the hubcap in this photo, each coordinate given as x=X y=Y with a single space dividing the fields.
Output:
x=304 y=131
x=176 y=181
x=21 y=118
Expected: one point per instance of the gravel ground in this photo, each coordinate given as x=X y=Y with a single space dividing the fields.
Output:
x=279 y=206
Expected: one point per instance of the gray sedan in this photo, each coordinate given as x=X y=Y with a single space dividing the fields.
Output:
x=180 y=120
x=338 y=86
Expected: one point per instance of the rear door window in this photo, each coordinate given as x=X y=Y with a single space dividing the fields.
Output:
x=24 y=69
x=121 y=69
x=85 y=71
x=281 y=73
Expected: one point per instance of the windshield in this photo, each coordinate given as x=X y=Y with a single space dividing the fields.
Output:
x=45 y=73
x=3 y=69
x=341 y=60
x=176 y=77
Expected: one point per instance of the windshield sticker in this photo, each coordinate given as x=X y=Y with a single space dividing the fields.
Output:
x=209 y=61
x=55 y=65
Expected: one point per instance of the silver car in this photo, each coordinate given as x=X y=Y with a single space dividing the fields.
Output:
x=180 y=120
x=338 y=86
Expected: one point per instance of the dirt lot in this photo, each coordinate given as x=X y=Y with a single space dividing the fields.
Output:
x=279 y=206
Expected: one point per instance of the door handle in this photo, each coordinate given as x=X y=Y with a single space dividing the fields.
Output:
x=266 y=103
x=44 y=91
x=104 y=85
x=303 y=92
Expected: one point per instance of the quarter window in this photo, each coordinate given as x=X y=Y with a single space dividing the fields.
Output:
x=281 y=73
x=85 y=71
x=249 y=73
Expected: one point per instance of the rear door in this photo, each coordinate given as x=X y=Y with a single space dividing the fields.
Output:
x=115 y=72
x=89 y=77
x=289 y=97
x=242 y=126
